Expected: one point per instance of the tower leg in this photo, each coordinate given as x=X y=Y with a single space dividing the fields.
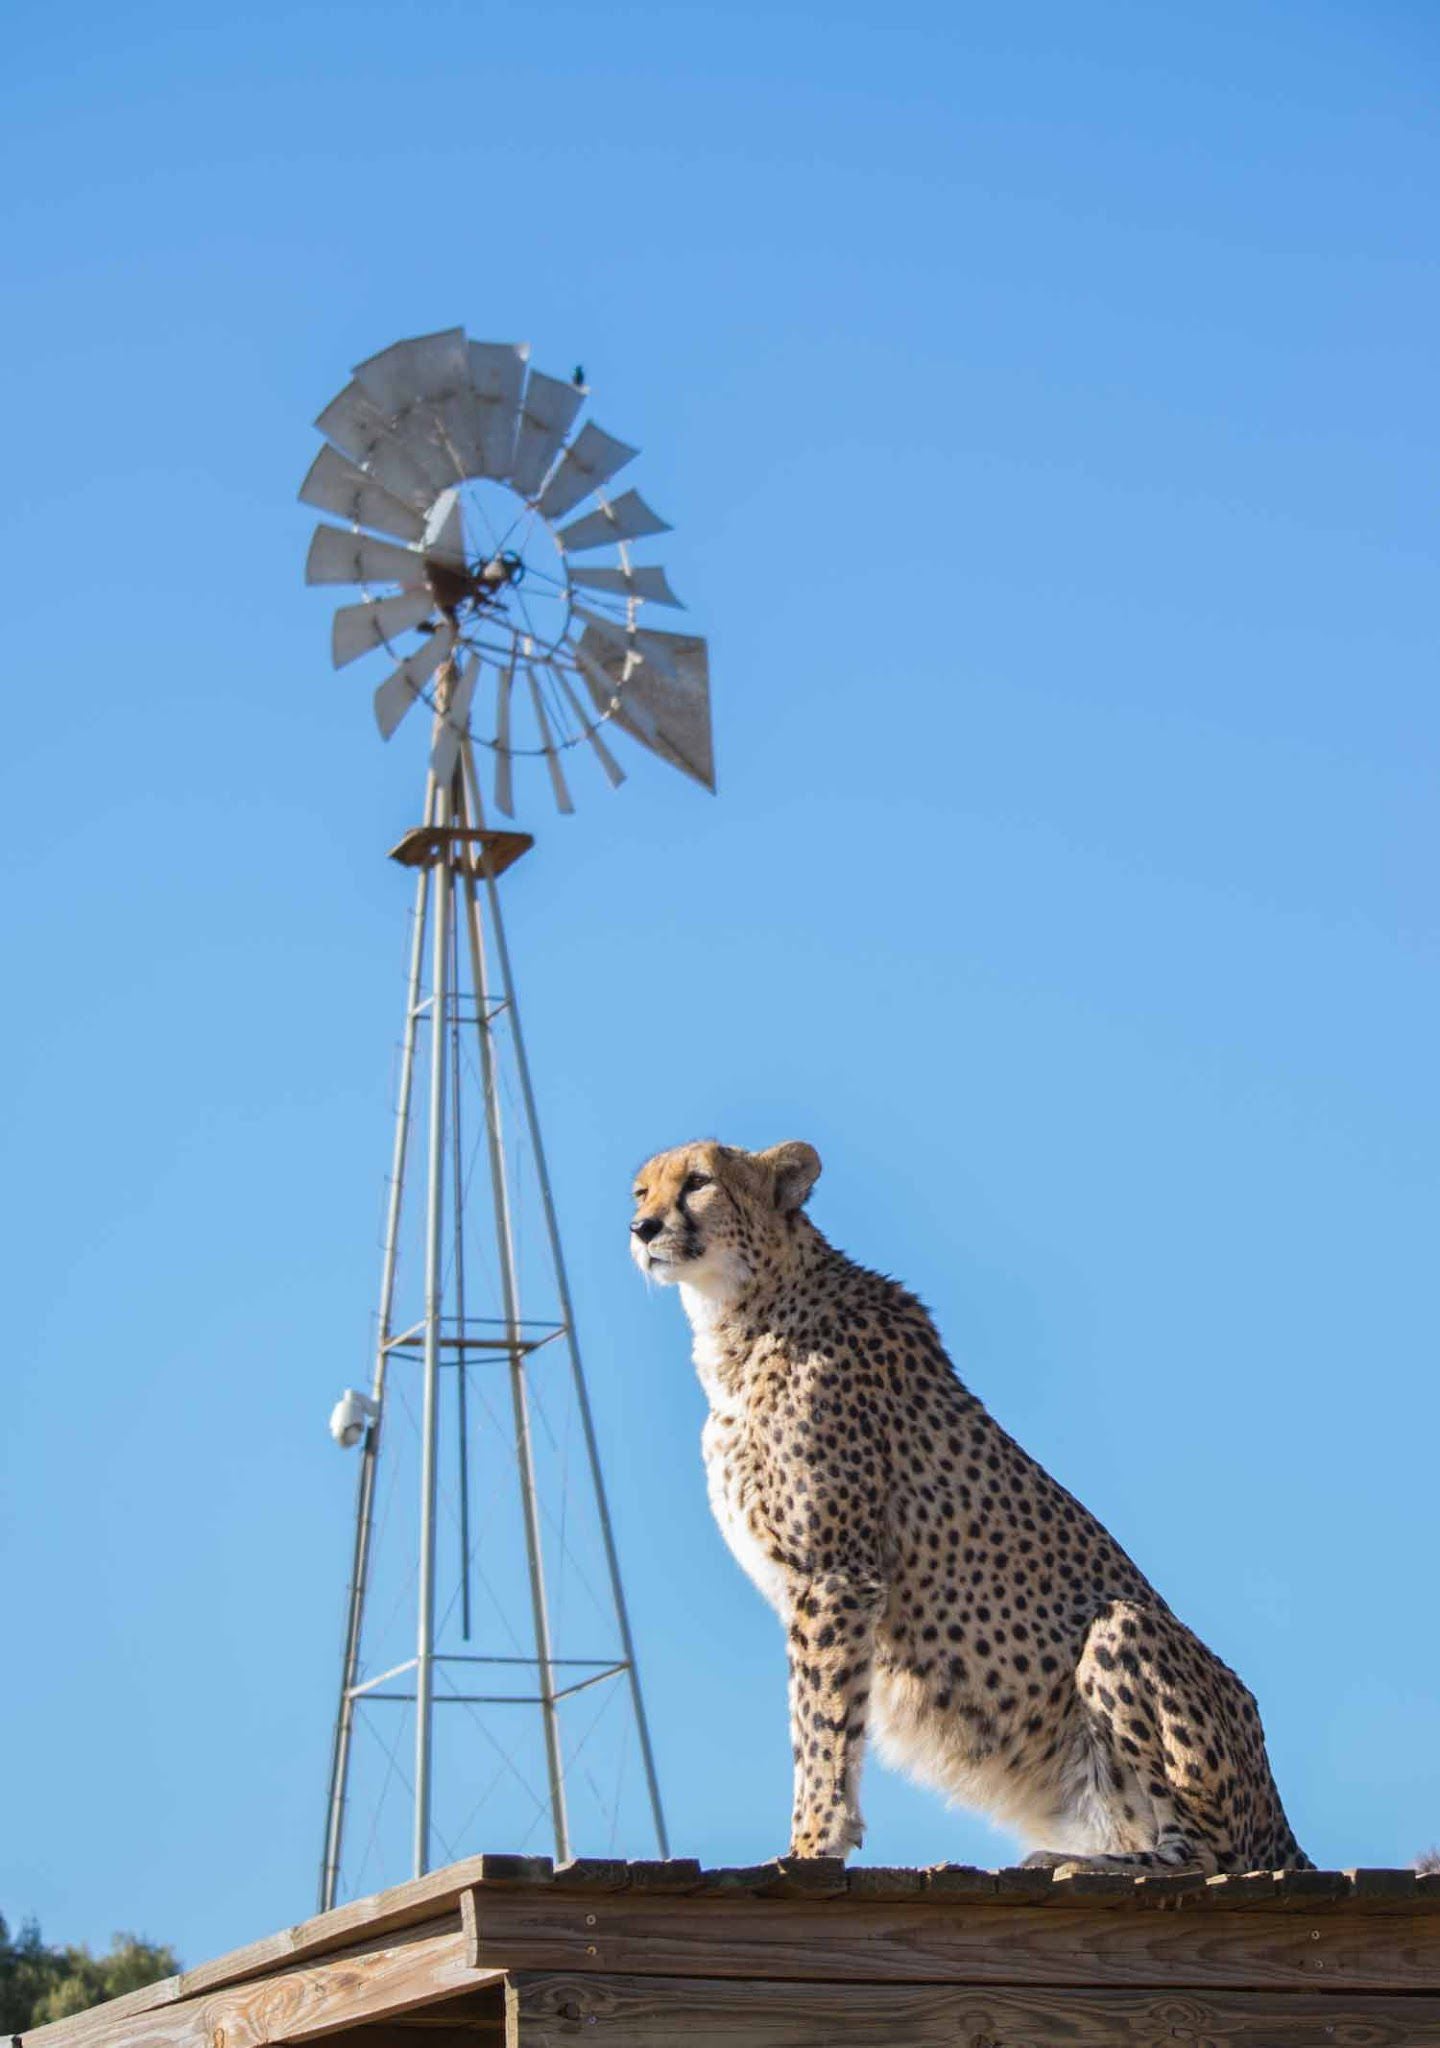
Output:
x=457 y=1238
x=434 y=1281
x=567 y=1311
x=510 y=1294
x=370 y=1451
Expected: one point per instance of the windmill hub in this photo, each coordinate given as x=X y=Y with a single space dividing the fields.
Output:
x=479 y=588
x=501 y=569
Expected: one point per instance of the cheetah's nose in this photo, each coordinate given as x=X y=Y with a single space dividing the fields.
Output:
x=646 y=1228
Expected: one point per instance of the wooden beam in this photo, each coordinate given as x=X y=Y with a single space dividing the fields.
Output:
x=303 y=2004
x=714 y=1935
x=402 y=1905
x=656 y=2012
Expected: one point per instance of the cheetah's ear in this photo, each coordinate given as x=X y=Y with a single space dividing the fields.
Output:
x=794 y=1169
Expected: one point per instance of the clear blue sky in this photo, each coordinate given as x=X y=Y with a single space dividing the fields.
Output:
x=1044 y=400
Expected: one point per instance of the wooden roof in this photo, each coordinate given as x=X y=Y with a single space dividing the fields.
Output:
x=510 y=1949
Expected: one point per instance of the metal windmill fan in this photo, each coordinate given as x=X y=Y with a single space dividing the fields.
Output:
x=454 y=467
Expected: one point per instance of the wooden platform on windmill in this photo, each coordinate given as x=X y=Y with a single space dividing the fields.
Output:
x=469 y=852
x=510 y=1952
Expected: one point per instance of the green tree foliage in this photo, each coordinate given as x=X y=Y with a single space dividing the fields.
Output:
x=38 y=1983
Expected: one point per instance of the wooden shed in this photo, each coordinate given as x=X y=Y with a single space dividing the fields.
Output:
x=510 y=1950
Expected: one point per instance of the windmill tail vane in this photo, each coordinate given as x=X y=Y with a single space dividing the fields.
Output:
x=486 y=1627
x=482 y=531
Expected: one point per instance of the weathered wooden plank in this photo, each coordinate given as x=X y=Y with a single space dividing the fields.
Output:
x=1240 y=1888
x=744 y=1878
x=711 y=1934
x=1095 y=1887
x=1020 y=1886
x=655 y=2012
x=885 y=1881
x=522 y=1870
x=592 y=1874
x=303 y=2003
x=673 y=1874
x=1167 y=1887
x=387 y=1912
x=808 y=1877
x=1392 y=1886
x=958 y=1881
x=1307 y=1888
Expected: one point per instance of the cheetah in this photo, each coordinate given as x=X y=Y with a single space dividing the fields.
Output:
x=939 y=1589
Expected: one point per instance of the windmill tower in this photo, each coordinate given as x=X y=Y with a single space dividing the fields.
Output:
x=488 y=1664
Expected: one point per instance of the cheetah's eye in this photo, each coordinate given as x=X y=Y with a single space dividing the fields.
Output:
x=639 y=1194
x=694 y=1182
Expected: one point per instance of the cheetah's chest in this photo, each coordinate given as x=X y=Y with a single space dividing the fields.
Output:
x=733 y=1474
x=731 y=1479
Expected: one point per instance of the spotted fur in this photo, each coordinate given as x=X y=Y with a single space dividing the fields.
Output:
x=940 y=1591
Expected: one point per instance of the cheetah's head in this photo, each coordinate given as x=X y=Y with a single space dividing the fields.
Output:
x=705 y=1214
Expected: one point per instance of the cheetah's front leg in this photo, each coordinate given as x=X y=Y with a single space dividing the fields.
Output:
x=831 y=1646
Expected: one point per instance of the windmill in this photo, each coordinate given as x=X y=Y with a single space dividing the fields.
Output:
x=472 y=507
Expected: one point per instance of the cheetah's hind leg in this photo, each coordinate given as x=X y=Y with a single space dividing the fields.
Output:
x=1177 y=1779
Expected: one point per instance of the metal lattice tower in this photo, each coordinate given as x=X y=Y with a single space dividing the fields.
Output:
x=486 y=1617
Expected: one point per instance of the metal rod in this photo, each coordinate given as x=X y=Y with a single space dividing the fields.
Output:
x=596 y=1678
x=494 y=1699
x=495 y=1140
x=365 y=1502
x=434 y=1279
x=557 y=1663
x=562 y=1283
x=381 y=1677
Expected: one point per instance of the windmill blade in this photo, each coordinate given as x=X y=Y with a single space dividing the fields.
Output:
x=429 y=366
x=353 y=421
x=622 y=635
x=627 y=519
x=334 y=484
x=459 y=428
x=497 y=378
x=401 y=688
x=546 y=415
x=665 y=651
x=339 y=556
x=673 y=701
x=504 y=766
x=423 y=435
x=617 y=634
x=454 y=723
x=614 y=774
x=651 y=584
x=356 y=425
x=552 y=759
x=445 y=531
x=358 y=628
x=592 y=457
x=607 y=687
